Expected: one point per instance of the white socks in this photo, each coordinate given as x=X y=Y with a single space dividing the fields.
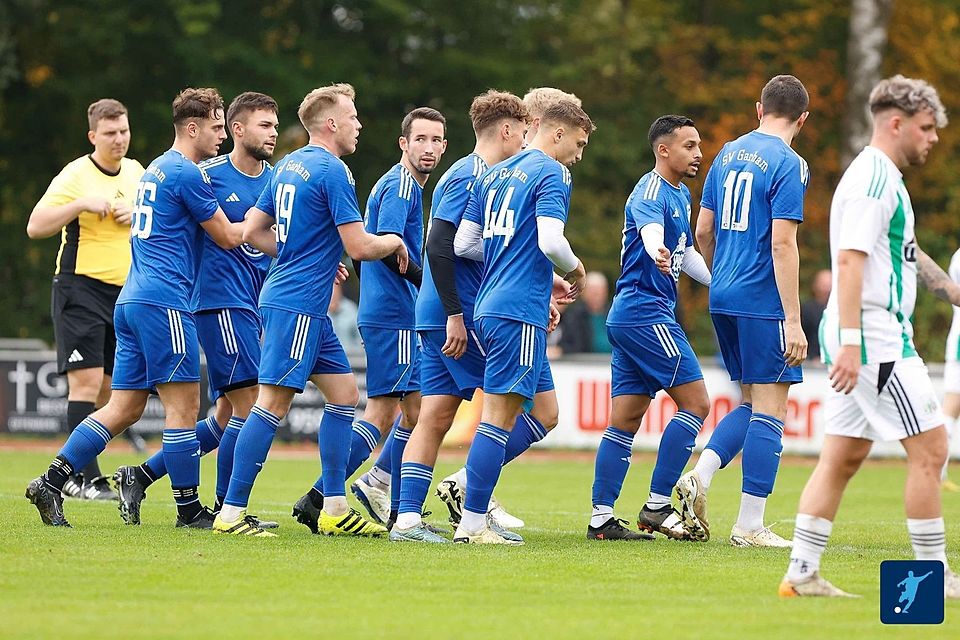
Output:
x=929 y=539
x=707 y=466
x=751 y=513
x=473 y=522
x=378 y=478
x=656 y=501
x=408 y=520
x=335 y=505
x=230 y=513
x=809 y=540
x=601 y=513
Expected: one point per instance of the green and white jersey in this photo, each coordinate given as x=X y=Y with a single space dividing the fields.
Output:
x=871 y=213
x=953 y=338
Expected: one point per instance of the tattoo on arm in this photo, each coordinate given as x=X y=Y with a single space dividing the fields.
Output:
x=935 y=279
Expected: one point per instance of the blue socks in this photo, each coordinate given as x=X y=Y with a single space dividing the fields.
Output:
x=761 y=455
x=384 y=461
x=484 y=463
x=400 y=438
x=415 y=481
x=363 y=440
x=610 y=469
x=728 y=437
x=85 y=443
x=225 y=454
x=253 y=444
x=181 y=456
x=676 y=445
x=208 y=434
x=526 y=431
x=333 y=438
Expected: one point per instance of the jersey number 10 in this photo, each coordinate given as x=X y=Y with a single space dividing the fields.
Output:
x=500 y=222
x=737 y=189
x=284 y=205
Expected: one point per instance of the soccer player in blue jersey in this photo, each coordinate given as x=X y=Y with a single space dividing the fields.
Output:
x=306 y=216
x=650 y=349
x=751 y=207
x=386 y=317
x=156 y=333
x=224 y=302
x=515 y=220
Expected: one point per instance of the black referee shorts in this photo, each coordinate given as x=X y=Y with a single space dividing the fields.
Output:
x=82 y=310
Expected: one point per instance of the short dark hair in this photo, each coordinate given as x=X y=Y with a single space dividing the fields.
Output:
x=196 y=103
x=247 y=102
x=104 y=109
x=492 y=106
x=785 y=96
x=568 y=113
x=421 y=113
x=665 y=125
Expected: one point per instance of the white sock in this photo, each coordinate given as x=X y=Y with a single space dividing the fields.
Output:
x=378 y=478
x=601 y=513
x=230 y=513
x=929 y=539
x=751 y=513
x=335 y=505
x=656 y=501
x=809 y=540
x=950 y=424
x=707 y=466
x=461 y=478
x=472 y=522
x=408 y=520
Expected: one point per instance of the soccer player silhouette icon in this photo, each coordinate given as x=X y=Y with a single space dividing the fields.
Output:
x=910 y=585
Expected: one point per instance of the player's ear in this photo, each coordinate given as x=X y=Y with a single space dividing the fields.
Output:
x=403 y=143
x=236 y=128
x=192 y=128
x=92 y=136
x=759 y=111
x=802 y=119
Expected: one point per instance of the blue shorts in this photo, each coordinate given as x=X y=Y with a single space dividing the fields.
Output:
x=752 y=350
x=516 y=357
x=393 y=361
x=441 y=375
x=650 y=358
x=155 y=345
x=231 y=342
x=297 y=346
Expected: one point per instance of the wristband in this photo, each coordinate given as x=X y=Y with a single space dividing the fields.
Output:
x=851 y=338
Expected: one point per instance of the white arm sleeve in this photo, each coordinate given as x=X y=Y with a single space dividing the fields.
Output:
x=652 y=236
x=468 y=242
x=554 y=245
x=696 y=267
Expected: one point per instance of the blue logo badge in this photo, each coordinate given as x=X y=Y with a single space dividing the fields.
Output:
x=911 y=592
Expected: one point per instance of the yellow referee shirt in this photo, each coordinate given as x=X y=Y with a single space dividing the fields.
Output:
x=91 y=246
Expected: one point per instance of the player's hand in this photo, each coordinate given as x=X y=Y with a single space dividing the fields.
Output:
x=663 y=260
x=342 y=274
x=122 y=213
x=796 y=351
x=561 y=291
x=456 y=343
x=577 y=278
x=554 y=318
x=845 y=369
x=403 y=258
x=100 y=206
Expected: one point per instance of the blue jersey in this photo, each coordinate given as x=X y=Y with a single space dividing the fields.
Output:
x=754 y=180
x=311 y=193
x=508 y=199
x=395 y=206
x=645 y=295
x=173 y=198
x=231 y=279
x=450 y=198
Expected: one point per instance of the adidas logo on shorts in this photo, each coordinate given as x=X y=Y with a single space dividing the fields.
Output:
x=75 y=357
x=233 y=197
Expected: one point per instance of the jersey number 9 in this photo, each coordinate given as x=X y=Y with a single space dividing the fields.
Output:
x=284 y=204
x=142 y=223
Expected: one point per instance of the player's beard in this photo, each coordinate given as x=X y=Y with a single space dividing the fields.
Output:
x=425 y=170
x=260 y=153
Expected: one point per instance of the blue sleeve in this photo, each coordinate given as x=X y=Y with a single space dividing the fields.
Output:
x=197 y=193
x=708 y=198
x=454 y=200
x=394 y=210
x=342 y=195
x=265 y=201
x=686 y=214
x=789 y=185
x=553 y=192
x=472 y=212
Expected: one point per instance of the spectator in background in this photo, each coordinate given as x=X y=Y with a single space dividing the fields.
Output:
x=812 y=310
x=583 y=327
x=343 y=314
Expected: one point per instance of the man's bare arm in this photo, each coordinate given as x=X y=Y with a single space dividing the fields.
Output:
x=935 y=280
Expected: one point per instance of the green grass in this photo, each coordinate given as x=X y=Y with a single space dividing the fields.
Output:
x=105 y=580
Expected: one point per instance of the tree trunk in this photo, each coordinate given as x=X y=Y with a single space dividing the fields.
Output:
x=868 y=37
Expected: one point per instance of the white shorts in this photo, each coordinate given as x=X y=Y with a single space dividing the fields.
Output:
x=901 y=405
x=951 y=377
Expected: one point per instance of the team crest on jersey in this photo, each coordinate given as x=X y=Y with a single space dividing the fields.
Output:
x=251 y=251
x=676 y=212
x=910 y=251
x=676 y=259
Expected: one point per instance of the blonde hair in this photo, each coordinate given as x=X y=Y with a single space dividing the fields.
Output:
x=538 y=99
x=909 y=95
x=320 y=100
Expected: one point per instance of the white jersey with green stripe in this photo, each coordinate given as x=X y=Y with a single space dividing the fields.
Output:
x=953 y=338
x=871 y=213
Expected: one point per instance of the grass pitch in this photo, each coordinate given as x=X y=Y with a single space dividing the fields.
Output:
x=106 y=580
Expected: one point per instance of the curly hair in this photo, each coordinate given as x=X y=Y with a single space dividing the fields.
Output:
x=910 y=95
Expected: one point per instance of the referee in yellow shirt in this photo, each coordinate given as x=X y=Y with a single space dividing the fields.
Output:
x=90 y=203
